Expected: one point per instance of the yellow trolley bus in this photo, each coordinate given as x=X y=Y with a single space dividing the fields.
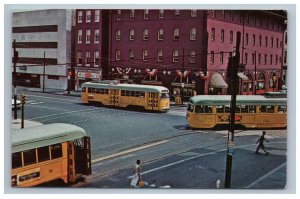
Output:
x=49 y=152
x=155 y=98
x=208 y=111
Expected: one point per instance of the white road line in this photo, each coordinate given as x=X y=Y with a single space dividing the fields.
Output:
x=197 y=156
x=265 y=176
x=130 y=150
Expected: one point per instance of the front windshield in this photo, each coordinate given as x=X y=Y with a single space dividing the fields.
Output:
x=164 y=95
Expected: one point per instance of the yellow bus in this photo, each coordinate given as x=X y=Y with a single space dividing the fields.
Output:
x=208 y=111
x=49 y=152
x=155 y=98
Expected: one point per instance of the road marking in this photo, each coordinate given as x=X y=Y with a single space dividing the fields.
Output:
x=130 y=150
x=197 y=156
x=56 y=109
x=265 y=176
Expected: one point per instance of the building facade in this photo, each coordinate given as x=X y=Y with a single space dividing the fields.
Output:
x=43 y=45
x=91 y=46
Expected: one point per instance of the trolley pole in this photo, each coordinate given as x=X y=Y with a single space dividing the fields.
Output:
x=233 y=70
x=14 y=79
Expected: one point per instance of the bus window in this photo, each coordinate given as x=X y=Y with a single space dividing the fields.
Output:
x=29 y=157
x=83 y=89
x=43 y=154
x=164 y=95
x=238 y=109
x=244 y=109
x=252 y=109
x=16 y=160
x=227 y=109
x=263 y=109
x=208 y=109
x=190 y=108
x=220 y=109
x=281 y=109
x=199 y=109
x=270 y=109
x=56 y=151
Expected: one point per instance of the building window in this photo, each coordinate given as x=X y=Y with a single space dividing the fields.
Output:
x=272 y=42
x=271 y=59
x=231 y=15
x=247 y=18
x=253 y=40
x=118 y=35
x=88 y=36
x=192 y=58
x=259 y=58
x=131 y=55
x=265 y=61
x=266 y=41
x=285 y=38
x=145 y=34
x=131 y=14
x=79 y=36
x=176 y=12
x=193 y=13
x=223 y=14
x=260 y=39
x=213 y=13
x=87 y=58
x=97 y=38
x=231 y=37
x=88 y=16
x=159 y=56
x=96 y=58
x=212 y=57
x=221 y=57
x=193 y=34
x=118 y=54
x=285 y=57
x=145 y=55
x=161 y=14
x=97 y=15
x=277 y=42
x=176 y=34
x=56 y=77
x=246 y=39
x=212 y=35
x=118 y=14
x=79 y=57
x=276 y=59
x=160 y=34
x=131 y=34
x=246 y=58
x=146 y=14
x=175 y=56
x=253 y=58
x=222 y=35
x=79 y=20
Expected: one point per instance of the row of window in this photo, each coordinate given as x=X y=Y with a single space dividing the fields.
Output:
x=246 y=39
x=248 y=19
x=33 y=156
x=239 y=109
x=276 y=58
x=96 y=58
x=88 y=37
x=88 y=16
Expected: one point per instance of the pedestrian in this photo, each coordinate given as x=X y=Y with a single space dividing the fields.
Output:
x=260 y=142
x=137 y=175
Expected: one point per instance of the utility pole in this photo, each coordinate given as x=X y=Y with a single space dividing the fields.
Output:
x=44 y=72
x=14 y=79
x=233 y=69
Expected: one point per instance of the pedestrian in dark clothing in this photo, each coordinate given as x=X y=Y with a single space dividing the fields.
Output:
x=260 y=142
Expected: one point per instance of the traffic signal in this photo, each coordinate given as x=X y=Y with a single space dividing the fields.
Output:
x=24 y=98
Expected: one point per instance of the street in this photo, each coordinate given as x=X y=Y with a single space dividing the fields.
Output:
x=171 y=155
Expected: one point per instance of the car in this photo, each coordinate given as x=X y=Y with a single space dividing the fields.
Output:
x=13 y=103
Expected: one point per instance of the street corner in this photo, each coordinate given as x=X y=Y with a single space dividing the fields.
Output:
x=16 y=124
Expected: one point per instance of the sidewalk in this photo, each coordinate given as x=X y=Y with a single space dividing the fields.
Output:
x=16 y=124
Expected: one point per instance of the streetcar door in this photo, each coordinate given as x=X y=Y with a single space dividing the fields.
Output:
x=83 y=156
x=114 y=97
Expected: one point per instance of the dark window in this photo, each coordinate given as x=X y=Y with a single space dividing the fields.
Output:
x=53 y=77
x=190 y=108
x=238 y=109
x=142 y=94
x=270 y=109
x=89 y=90
x=16 y=160
x=43 y=154
x=29 y=157
x=263 y=109
x=252 y=109
x=208 y=109
x=220 y=109
x=164 y=95
x=244 y=109
x=227 y=109
x=56 y=151
x=281 y=109
x=199 y=109
x=83 y=89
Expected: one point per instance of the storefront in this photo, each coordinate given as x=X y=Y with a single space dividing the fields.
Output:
x=82 y=76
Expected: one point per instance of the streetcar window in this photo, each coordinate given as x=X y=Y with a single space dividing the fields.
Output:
x=270 y=109
x=56 y=151
x=227 y=109
x=252 y=109
x=142 y=94
x=208 y=109
x=244 y=109
x=16 y=160
x=43 y=154
x=136 y=93
x=281 y=109
x=238 y=109
x=190 y=108
x=199 y=109
x=89 y=90
x=83 y=89
x=164 y=95
x=29 y=157
x=263 y=109
x=106 y=91
x=220 y=109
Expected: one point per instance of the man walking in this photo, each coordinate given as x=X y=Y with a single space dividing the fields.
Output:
x=261 y=143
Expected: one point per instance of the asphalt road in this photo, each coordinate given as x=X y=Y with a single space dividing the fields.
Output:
x=172 y=156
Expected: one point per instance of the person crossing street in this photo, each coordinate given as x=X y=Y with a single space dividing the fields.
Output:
x=260 y=142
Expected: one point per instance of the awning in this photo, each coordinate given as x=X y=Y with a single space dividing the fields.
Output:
x=217 y=81
x=242 y=76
